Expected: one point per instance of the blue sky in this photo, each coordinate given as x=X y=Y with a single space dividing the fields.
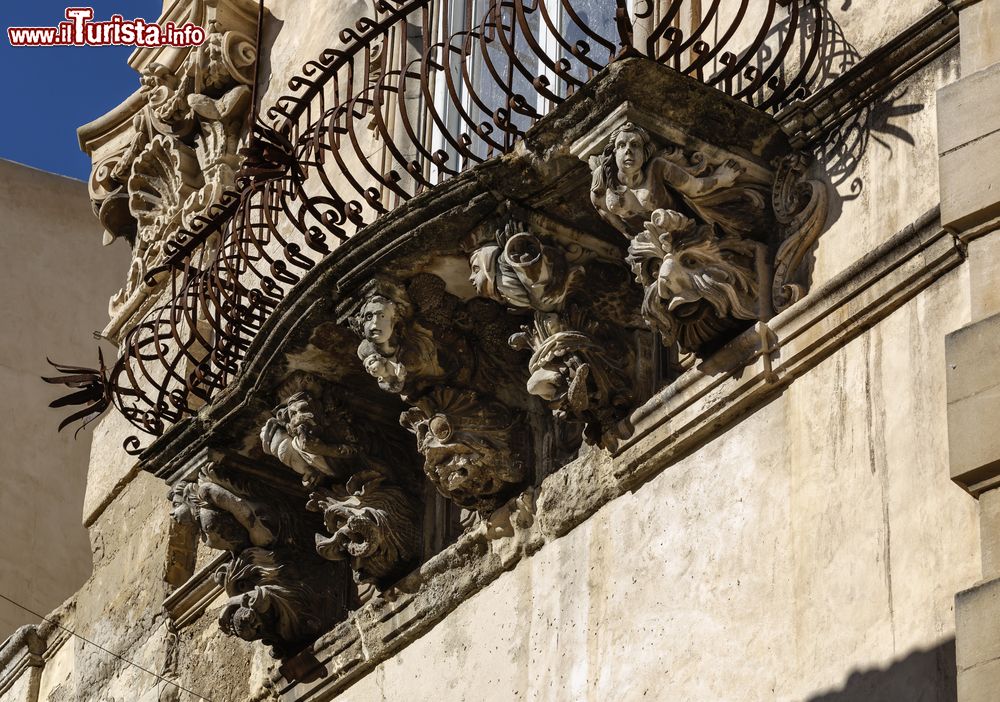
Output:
x=50 y=91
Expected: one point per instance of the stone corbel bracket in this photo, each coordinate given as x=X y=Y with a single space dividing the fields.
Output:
x=278 y=589
x=583 y=309
x=718 y=231
x=371 y=507
x=438 y=353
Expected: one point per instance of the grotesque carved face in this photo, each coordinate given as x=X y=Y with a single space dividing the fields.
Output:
x=471 y=452
x=697 y=284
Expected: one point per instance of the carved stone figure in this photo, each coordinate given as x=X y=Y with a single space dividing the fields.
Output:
x=580 y=372
x=631 y=179
x=698 y=284
x=225 y=521
x=442 y=356
x=279 y=590
x=371 y=517
x=373 y=525
x=277 y=600
x=475 y=449
x=393 y=343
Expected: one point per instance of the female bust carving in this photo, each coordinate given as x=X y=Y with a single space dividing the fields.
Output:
x=631 y=181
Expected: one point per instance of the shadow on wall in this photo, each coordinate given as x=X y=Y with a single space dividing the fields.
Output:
x=923 y=676
x=843 y=148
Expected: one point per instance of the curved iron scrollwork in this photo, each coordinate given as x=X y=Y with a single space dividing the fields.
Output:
x=430 y=87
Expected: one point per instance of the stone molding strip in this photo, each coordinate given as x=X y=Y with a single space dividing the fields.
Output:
x=189 y=601
x=738 y=380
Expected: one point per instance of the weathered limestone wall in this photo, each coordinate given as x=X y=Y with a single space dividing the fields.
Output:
x=55 y=285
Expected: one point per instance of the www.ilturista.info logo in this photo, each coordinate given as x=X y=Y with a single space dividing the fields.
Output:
x=79 y=29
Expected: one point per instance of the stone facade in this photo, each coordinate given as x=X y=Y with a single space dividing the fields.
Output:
x=660 y=403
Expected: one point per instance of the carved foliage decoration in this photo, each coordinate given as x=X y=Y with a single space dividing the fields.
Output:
x=182 y=157
x=579 y=366
x=280 y=592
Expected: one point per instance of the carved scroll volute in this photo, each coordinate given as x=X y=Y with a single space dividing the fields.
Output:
x=475 y=447
x=800 y=205
x=579 y=366
x=700 y=230
x=280 y=591
x=371 y=512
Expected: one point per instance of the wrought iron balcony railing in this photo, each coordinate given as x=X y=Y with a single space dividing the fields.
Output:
x=414 y=95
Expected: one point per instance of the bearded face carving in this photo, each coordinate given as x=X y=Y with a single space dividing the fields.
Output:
x=698 y=284
x=475 y=451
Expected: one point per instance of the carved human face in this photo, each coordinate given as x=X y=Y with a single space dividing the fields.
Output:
x=481 y=264
x=378 y=319
x=630 y=153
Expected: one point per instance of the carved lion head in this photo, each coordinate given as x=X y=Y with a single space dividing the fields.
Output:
x=697 y=283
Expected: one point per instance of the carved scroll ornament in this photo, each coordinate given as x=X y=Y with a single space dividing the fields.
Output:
x=183 y=155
